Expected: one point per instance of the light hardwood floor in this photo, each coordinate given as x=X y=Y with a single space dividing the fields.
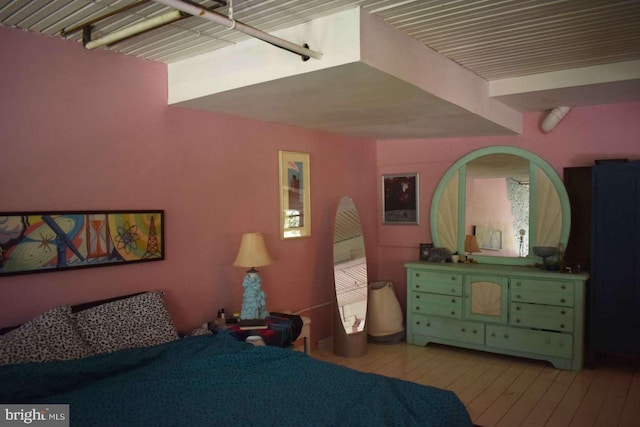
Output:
x=508 y=391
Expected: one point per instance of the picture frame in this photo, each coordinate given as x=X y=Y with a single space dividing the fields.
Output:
x=295 y=194
x=488 y=238
x=38 y=242
x=400 y=194
x=425 y=251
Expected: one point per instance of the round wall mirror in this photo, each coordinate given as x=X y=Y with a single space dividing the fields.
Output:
x=508 y=198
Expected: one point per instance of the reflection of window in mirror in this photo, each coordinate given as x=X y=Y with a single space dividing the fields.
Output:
x=497 y=204
x=350 y=267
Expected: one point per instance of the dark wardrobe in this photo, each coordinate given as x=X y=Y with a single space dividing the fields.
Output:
x=605 y=238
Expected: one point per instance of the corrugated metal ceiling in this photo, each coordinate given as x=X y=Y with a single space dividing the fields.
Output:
x=495 y=39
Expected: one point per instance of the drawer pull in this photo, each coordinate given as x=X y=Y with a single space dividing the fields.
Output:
x=563 y=312
x=453 y=277
x=518 y=284
x=417 y=286
x=506 y=336
x=417 y=274
x=417 y=296
x=475 y=332
x=428 y=324
x=518 y=308
x=418 y=308
x=517 y=320
x=518 y=296
x=417 y=322
x=562 y=326
x=563 y=287
x=453 y=290
x=453 y=313
x=453 y=300
x=562 y=300
x=463 y=330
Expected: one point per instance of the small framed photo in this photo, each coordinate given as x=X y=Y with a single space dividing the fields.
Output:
x=400 y=199
x=425 y=250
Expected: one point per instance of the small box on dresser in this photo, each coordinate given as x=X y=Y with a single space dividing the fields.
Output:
x=520 y=311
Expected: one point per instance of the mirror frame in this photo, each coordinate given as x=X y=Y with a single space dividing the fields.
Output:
x=459 y=167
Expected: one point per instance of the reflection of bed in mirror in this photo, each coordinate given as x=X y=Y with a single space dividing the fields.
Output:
x=350 y=281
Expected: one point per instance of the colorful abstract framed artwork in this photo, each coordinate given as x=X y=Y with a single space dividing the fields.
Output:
x=295 y=195
x=400 y=199
x=37 y=242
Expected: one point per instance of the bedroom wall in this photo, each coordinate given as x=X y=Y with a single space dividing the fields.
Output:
x=91 y=130
x=586 y=134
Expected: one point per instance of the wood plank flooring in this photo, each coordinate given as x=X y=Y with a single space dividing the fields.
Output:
x=506 y=391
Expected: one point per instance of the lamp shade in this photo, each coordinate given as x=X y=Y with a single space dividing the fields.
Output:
x=253 y=252
x=471 y=244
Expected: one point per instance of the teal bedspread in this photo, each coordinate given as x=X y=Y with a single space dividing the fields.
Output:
x=217 y=380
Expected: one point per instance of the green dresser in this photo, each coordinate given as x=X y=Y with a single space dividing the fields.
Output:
x=520 y=311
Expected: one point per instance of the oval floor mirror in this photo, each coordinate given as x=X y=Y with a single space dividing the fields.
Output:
x=350 y=280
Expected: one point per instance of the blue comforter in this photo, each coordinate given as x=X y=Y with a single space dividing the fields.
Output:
x=217 y=380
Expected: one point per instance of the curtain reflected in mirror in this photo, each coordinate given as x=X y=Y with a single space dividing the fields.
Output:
x=350 y=267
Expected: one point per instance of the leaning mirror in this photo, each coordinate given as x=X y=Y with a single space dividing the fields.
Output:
x=509 y=198
x=350 y=279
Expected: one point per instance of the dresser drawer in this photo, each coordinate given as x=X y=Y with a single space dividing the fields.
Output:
x=450 y=329
x=541 y=297
x=439 y=305
x=526 y=340
x=542 y=317
x=439 y=283
x=544 y=285
x=554 y=292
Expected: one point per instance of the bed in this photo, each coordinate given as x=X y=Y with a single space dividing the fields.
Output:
x=209 y=379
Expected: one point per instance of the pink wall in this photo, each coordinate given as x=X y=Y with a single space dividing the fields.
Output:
x=91 y=130
x=83 y=130
x=488 y=204
x=586 y=133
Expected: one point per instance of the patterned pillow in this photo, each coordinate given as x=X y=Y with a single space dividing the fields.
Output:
x=139 y=321
x=50 y=336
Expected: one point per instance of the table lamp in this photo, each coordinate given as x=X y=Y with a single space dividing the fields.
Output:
x=253 y=253
x=471 y=245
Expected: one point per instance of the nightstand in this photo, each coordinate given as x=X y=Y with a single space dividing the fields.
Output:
x=305 y=334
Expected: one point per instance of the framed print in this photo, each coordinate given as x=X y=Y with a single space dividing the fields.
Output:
x=425 y=251
x=400 y=199
x=37 y=242
x=295 y=195
x=488 y=238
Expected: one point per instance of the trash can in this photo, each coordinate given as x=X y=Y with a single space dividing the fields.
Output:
x=384 y=315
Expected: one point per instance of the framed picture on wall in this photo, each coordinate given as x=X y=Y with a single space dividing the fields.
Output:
x=488 y=238
x=400 y=199
x=295 y=195
x=38 y=242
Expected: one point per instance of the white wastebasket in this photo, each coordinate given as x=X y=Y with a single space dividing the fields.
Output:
x=384 y=315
